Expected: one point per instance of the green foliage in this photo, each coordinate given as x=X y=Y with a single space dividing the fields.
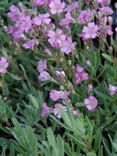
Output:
x=5 y=111
x=26 y=143
x=23 y=132
x=54 y=146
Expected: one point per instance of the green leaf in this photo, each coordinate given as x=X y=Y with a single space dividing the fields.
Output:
x=34 y=102
x=80 y=143
x=97 y=141
x=26 y=142
x=90 y=130
x=50 y=137
x=60 y=145
x=107 y=57
x=66 y=118
x=15 y=77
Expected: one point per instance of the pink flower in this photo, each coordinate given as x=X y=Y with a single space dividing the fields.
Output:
x=15 y=33
x=91 y=103
x=36 y=21
x=68 y=46
x=105 y=11
x=105 y=30
x=67 y=20
x=91 y=31
x=3 y=65
x=14 y=13
x=30 y=44
x=41 y=19
x=74 y=112
x=112 y=90
x=85 y=16
x=80 y=75
x=71 y=7
x=22 y=23
x=108 y=30
x=10 y=29
x=56 y=38
x=45 y=110
x=57 y=108
x=56 y=6
x=42 y=65
x=44 y=76
x=45 y=18
x=56 y=95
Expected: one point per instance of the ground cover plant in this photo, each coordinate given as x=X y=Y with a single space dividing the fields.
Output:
x=58 y=78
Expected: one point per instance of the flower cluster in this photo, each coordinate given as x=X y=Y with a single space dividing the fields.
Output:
x=26 y=23
x=22 y=23
x=56 y=110
x=59 y=29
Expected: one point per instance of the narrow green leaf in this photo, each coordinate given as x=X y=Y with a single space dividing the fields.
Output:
x=97 y=141
x=107 y=57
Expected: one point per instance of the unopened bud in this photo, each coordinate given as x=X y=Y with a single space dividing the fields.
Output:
x=116 y=29
x=62 y=87
x=77 y=56
x=20 y=4
x=61 y=59
x=116 y=5
x=87 y=48
x=69 y=62
x=47 y=51
x=5 y=98
x=111 y=49
x=110 y=20
x=63 y=73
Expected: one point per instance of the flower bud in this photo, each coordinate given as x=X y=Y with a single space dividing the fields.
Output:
x=69 y=62
x=63 y=73
x=87 y=47
x=111 y=49
x=110 y=20
x=116 y=29
x=77 y=56
x=62 y=87
x=116 y=5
